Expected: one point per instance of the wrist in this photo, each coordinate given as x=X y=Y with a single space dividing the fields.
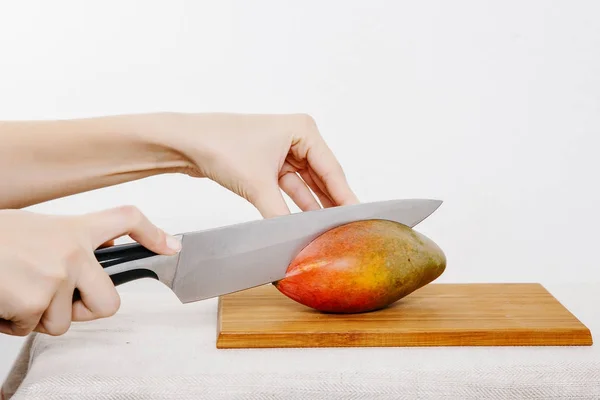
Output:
x=153 y=138
x=185 y=136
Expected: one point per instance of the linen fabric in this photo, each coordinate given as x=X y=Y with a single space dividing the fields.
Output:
x=157 y=348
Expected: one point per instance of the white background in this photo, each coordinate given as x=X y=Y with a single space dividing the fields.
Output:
x=493 y=107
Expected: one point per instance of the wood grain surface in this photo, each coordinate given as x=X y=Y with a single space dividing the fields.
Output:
x=515 y=314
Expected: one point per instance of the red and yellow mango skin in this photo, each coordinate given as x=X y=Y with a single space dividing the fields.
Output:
x=362 y=266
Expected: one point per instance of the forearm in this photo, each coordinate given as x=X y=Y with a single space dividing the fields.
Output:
x=45 y=160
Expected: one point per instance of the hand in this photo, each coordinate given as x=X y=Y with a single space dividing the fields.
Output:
x=44 y=258
x=257 y=155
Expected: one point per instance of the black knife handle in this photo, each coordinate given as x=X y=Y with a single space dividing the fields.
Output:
x=122 y=253
x=118 y=254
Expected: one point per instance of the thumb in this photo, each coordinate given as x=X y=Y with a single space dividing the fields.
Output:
x=107 y=225
x=268 y=200
x=99 y=297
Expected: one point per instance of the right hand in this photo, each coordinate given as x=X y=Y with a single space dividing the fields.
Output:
x=43 y=259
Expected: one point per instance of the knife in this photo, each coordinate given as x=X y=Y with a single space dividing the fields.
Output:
x=218 y=261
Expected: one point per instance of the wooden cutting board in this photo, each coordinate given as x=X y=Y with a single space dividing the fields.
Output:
x=435 y=315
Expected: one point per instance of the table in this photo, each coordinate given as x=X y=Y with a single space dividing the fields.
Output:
x=157 y=348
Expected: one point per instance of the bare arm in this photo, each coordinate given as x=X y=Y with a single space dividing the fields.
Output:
x=255 y=156
x=44 y=160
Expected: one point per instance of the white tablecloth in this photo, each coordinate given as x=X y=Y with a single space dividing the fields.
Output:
x=156 y=348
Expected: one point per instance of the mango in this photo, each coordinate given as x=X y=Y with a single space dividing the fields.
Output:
x=362 y=266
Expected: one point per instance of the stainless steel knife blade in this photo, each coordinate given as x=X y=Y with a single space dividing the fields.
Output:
x=228 y=259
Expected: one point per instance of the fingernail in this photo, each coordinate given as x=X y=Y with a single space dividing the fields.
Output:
x=173 y=243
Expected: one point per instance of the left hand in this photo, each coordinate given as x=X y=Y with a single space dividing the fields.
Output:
x=257 y=155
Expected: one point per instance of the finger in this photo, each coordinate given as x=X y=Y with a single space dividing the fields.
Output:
x=295 y=187
x=56 y=320
x=30 y=313
x=268 y=200
x=324 y=198
x=5 y=327
x=315 y=178
x=23 y=302
x=330 y=172
x=99 y=297
x=109 y=224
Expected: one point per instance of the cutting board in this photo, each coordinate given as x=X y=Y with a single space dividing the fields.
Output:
x=495 y=314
